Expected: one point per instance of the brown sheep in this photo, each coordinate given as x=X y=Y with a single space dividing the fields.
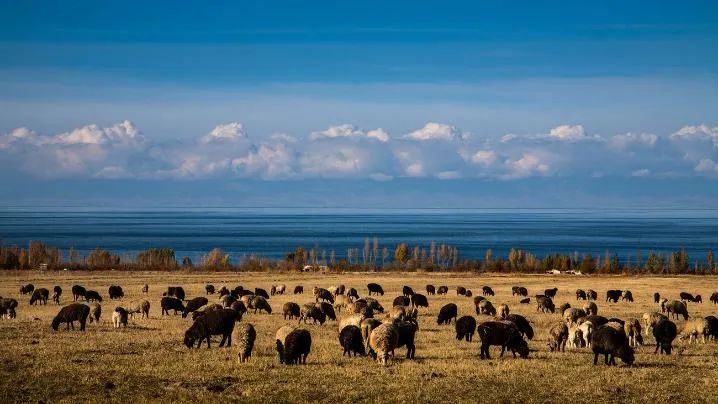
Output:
x=557 y=337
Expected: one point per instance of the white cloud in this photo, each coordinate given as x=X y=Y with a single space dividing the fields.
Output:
x=415 y=170
x=707 y=166
x=484 y=157
x=643 y=172
x=448 y=175
x=437 y=131
x=621 y=142
x=700 y=132
x=267 y=162
x=348 y=131
x=527 y=166
x=229 y=132
x=568 y=132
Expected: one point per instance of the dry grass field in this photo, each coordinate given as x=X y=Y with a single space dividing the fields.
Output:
x=147 y=362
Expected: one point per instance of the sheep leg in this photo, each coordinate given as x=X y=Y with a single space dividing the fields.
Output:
x=605 y=359
x=595 y=358
x=503 y=349
x=224 y=339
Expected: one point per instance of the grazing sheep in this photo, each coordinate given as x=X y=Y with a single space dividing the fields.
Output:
x=95 y=312
x=611 y=343
x=297 y=346
x=485 y=307
x=575 y=337
x=469 y=293
x=71 y=313
x=460 y=291
x=341 y=302
x=686 y=297
x=323 y=294
x=374 y=304
x=280 y=337
x=350 y=338
x=139 y=306
x=401 y=301
x=375 y=288
x=245 y=341
x=56 y=293
x=525 y=301
x=115 y=292
x=367 y=326
x=627 y=296
x=298 y=290
x=503 y=334
x=586 y=329
x=590 y=308
x=7 y=307
x=712 y=327
x=522 y=324
x=651 y=319
x=91 y=295
x=595 y=320
x=223 y=292
x=663 y=305
x=572 y=315
x=714 y=298
x=487 y=291
x=119 y=317
x=328 y=310
x=442 y=290
x=341 y=289
x=419 y=300
x=40 y=295
x=550 y=292
x=280 y=289
x=146 y=289
x=239 y=307
x=209 y=289
x=247 y=300
x=664 y=332
x=430 y=290
x=519 y=290
x=632 y=329
x=383 y=340
x=291 y=310
x=504 y=310
x=544 y=304
x=613 y=295
x=193 y=305
x=175 y=291
x=675 y=308
x=407 y=335
x=446 y=313
x=398 y=312
x=591 y=294
x=562 y=308
x=695 y=328
x=220 y=322
x=171 y=303
x=353 y=293
x=260 y=303
x=656 y=297
x=697 y=299
x=309 y=310
x=411 y=313
x=206 y=309
x=78 y=292
x=360 y=306
x=465 y=327
x=580 y=294
x=407 y=291
x=261 y=292
x=557 y=337
x=27 y=289
x=227 y=300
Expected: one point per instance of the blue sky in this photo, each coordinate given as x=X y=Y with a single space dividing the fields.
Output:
x=497 y=96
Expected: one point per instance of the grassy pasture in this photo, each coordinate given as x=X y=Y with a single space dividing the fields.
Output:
x=147 y=362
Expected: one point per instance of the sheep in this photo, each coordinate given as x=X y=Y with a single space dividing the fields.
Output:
x=575 y=337
x=341 y=302
x=460 y=291
x=220 y=322
x=398 y=312
x=382 y=341
x=594 y=319
x=664 y=332
x=298 y=290
x=407 y=291
x=656 y=297
x=586 y=329
x=419 y=300
x=291 y=310
x=146 y=289
x=442 y=290
x=206 y=309
x=550 y=292
x=280 y=289
x=411 y=313
x=696 y=327
x=557 y=337
x=366 y=326
x=193 y=305
x=7 y=307
x=590 y=308
x=139 y=306
x=119 y=317
x=544 y=303
x=572 y=315
x=714 y=298
x=353 y=293
x=697 y=299
x=115 y=292
x=332 y=290
x=487 y=291
x=209 y=289
x=309 y=310
x=562 y=308
x=260 y=303
x=519 y=290
x=27 y=289
x=504 y=310
x=469 y=293
x=95 y=312
x=627 y=296
x=40 y=295
x=261 y=292
x=374 y=304
x=522 y=324
x=297 y=346
x=613 y=295
x=504 y=334
x=610 y=343
x=327 y=309
x=446 y=313
x=244 y=339
x=341 y=289
x=406 y=335
x=465 y=327
x=323 y=294
x=171 y=303
x=280 y=337
x=91 y=295
x=78 y=292
x=247 y=300
x=223 y=292
x=616 y=325
x=401 y=301
x=632 y=329
x=239 y=307
x=485 y=307
x=686 y=297
x=712 y=327
x=175 y=291
x=675 y=308
x=56 y=293
x=580 y=294
x=591 y=294
x=71 y=313
x=430 y=290
x=227 y=300
x=360 y=306
x=350 y=338
x=375 y=288
x=525 y=301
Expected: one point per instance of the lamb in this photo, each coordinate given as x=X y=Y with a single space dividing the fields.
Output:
x=245 y=341
x=522 y=324
x=651 y=319
x=328 y=310
x=139 y=306
x=487 y=291
x=550 y=292
x=78 y=292
x=353 y=293
x=95 y=312
x=401 y=301
x=557 y=337
x=460 y=291
x=56 y=293
x=656 y=298
x=519 y=290
x=115 y=292
x=119 y=317
x=280 y=337
x=298 y=290
x=175 y=291
x=611 y=343
x=27 y=289
x=171 y=303
x=430 y=290
x=311 y=311
x=485 y=307
x=590 y=308
x=580 y=294
x=446 y=313
x=504 y=334
x=71 y=313
x=572 y=315
x=350 y=338
x=465 y=327
x=375 y=288
x=323 y=294
x=291 y=310
x=592 y=294
x=675 y=308
x=627 y=296
x=442 y=290
x=407 y=291
x=297 y=346
x=259 y=303
x=407 y=335
x=632 y=329
x=613 y=295
x=91 y=295
x=525 y=301
x=7 y=307
x=40 y=295
x=544 y=304
x=696 y=327
x=419 y=300
x=209 y=289
x=193 y=305
x=665 y=332
x=219 y=322
x=504 y=310
x=383 y=340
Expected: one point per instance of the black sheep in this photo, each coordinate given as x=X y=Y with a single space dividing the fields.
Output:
x=171 y=303
x=591 y=295
x=686 y=297
x=596 y=320
x=714 y=298
x=407 y=291
x=665 y=332
x=519 y=290
x=442 y=290
x=297 y=346
x=315 y=313
x=71 y=313
x=656 y=298
x=611 y=343
x=522 y=324
x=298 y=290
x=291 y=310
x=460 y=291
x=193 y=305
x=340 y=290
x=487 y=291
x=375 y=288
x=505 y=335
x=40 y=295
x=465 y=327
x=115 y=292
x=351 y=340
x=526 y=300
x=7 y=307
x=223 y=291
x=353 y=293
x=239 y=307
x=712 y=326
x=91 y=295
x=328 y=310
x=697 y=299
x=209 y=289
x=407 y=335
x=430 y=290
x=261 y=292
x=323 y=294
x=580 y=294
x=613 y=295
x=446 y=313
x=27 y=289
x=175 y=291
x=56 y=293
x=627 y=296
x=550 y=292
x=419 y=300
x=219 y=322
x=401 y=301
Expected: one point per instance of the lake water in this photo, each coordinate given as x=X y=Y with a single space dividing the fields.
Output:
x=274 y=232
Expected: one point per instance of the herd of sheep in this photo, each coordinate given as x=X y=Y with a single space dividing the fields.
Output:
x=365 y=327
